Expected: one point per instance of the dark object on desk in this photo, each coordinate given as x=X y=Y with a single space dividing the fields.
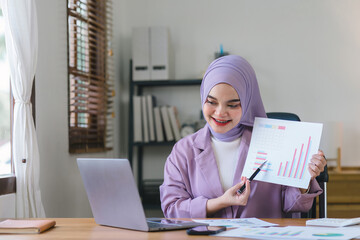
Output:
x=322 y=179
x=25 y=226
x=241 y=190
x=205 y=230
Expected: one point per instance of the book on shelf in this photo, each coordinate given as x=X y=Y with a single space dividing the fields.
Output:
x=151 y=102
x=159 y=130
x=145 y=122
x=137 y=117
x=174 y=122
x=166 y=121
x=26 y=226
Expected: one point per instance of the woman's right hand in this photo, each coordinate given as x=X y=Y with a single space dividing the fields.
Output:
x=230 y=198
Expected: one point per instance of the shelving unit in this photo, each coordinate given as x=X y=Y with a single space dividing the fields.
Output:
x=136 y=88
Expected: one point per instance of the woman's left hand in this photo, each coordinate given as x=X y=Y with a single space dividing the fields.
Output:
x=317 y=164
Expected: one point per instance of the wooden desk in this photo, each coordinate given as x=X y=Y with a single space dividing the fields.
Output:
x=86 y=228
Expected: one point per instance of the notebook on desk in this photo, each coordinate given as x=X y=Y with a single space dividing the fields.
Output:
x=114 y=198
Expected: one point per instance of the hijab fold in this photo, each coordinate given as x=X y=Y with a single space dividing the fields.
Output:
x=237 y=72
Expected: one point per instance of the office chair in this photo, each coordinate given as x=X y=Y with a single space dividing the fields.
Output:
x=322 y=179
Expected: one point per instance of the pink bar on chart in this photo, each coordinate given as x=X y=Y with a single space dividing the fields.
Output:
x=297 y=166
x=259 y=158
x=285 y=168
x=292 y=163
x=279 y=169
x=307 y=151
x=264 y=153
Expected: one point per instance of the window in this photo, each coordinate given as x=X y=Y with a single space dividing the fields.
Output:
x=7 y=179
x=90 y=68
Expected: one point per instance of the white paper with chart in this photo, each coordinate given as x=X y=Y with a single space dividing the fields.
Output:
x=287 y=146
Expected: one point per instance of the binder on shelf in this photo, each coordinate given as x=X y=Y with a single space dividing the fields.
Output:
x=158 y=125
x=145 y=122
x=174 y=122
x=166 y=121
x=141 y=53
x=159 y=53
x=137 y=112
x=150 y=110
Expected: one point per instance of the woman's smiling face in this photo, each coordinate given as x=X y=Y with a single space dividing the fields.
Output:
x=222 y=108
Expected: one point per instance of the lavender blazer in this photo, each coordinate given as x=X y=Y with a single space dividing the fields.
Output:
x=191 y=177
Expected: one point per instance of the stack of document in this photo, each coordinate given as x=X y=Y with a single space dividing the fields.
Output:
x=293 y=232
x=259 y=229
x=237 y=222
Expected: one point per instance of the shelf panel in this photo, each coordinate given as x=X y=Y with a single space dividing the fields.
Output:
x=154 y=144
x=158 y=83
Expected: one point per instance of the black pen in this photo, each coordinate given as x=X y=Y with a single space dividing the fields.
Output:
x=242 y=189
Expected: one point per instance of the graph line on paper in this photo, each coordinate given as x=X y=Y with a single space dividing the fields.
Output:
x=287 y=146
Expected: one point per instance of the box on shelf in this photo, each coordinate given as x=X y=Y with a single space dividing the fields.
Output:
x=150 y=53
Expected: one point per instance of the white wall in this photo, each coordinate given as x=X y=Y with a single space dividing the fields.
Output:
x=306 y=55
x=7 y=206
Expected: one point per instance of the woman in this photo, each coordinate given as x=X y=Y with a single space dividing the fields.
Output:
x=203 y=172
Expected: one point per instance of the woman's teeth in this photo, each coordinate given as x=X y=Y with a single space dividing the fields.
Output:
x=219 y=121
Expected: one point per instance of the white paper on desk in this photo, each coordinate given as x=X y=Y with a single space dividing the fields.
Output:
x=293 y=232
x=236 y=222
x=287 y=146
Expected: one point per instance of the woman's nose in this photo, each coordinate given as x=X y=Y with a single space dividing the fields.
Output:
x=220 y=110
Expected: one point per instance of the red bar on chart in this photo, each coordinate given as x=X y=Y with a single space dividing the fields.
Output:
x=305 y=159
x=279 y=169
x=292 y=163
x=285 y=168
x=297 y=166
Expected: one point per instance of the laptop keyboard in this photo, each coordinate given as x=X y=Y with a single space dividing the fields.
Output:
x=156 y=225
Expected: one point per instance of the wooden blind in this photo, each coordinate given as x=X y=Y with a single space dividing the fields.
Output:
x=91 y=78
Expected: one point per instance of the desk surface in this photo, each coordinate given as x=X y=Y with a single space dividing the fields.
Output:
x=86 y=228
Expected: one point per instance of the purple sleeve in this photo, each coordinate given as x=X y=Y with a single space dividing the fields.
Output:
x=176 y=200
x=294 y=201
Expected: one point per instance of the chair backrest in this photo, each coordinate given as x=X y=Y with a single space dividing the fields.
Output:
x=283 y=116
x=322 y=179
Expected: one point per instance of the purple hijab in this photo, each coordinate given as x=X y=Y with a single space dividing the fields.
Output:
x=237 y=72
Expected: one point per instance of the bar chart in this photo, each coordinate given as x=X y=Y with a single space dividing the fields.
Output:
x=295 y=167
x=287 y=146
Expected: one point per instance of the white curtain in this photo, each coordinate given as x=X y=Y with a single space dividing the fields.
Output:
x=21 y=36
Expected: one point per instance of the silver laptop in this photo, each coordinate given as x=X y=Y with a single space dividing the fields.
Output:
x=114 y=197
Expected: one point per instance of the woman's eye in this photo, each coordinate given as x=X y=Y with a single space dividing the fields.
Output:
x=234 y=105
x=210 y=102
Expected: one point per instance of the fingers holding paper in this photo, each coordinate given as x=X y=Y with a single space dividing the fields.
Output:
x=317 y=164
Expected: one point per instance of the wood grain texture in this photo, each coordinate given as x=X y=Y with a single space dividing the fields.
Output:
x=86 y=228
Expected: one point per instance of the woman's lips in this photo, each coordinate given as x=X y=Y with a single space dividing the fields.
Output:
x=221 y=122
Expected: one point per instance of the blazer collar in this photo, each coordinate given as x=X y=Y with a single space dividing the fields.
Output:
x=244 y=147
x=206 y=161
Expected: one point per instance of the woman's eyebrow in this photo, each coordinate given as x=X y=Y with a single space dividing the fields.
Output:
x=230 y=101
x=209 y=96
